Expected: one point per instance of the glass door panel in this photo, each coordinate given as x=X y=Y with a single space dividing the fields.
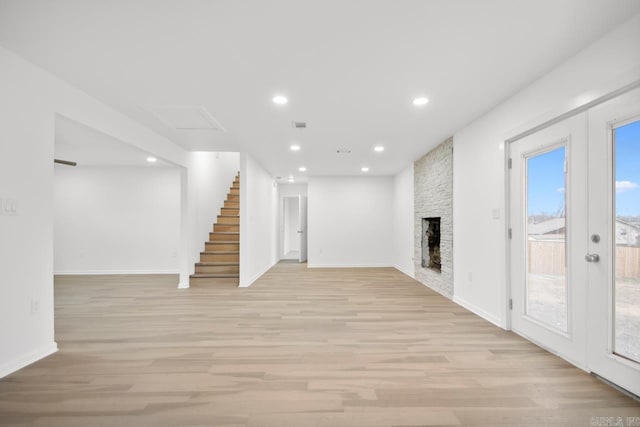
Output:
x=546 y=281
x=626 y=255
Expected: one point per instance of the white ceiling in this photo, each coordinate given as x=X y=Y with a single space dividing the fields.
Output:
x=87 y=147
x=349 y=68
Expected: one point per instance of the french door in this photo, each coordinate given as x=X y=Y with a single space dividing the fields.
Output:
x=575 y=245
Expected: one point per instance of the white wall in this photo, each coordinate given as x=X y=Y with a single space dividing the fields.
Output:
x=350 y=222
x=292 y=189
x=28 y=105
x=403 y=221
x=210 y=178
x=116 y=220
x=479 y=161
x=258 y=221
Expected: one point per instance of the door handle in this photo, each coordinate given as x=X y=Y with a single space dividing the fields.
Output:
x=592 y=257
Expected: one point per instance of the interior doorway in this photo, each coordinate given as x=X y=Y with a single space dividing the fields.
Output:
x=293 y=228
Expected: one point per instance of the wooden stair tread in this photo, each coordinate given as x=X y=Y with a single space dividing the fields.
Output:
x=214 y=275
x=217 y=264
x=219 y=252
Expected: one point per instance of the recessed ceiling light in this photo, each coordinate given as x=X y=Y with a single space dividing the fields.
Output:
x=291 y=179
x=420 y=101
x=365 y=169
x=279 y=99
x=302 y=169
x=378 y=148
x=295 y=147
x=151 y=159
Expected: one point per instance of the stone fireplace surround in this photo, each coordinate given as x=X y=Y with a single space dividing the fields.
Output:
x=433 y=198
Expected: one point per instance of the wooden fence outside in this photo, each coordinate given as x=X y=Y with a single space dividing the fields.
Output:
x=548 y=257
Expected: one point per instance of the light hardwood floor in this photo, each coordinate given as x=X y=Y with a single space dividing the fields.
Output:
x=321 y=347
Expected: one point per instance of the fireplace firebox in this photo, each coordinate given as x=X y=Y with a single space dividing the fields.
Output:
x=431 y=244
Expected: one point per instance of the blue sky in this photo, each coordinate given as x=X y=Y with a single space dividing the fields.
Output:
x=546 y=181
x=545 y=185
x=628 y=169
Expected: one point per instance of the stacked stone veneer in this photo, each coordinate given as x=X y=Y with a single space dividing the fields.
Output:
x=433 y=197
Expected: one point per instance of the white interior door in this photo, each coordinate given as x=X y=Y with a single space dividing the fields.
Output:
x=302 y=231
x=548 y=238
x=614 y=228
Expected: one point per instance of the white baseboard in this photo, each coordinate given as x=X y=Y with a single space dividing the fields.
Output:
x=184 y=285
x=480 y=312
x=349 y=266
x=402 y=270
x=111 y=272
x=27 y=359
x=247 y=283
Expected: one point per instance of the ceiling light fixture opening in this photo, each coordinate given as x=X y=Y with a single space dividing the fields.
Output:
x=420 y=101
x=302 y=169
x=151 y=159
x=364 y=169
x=280 y=100
x=378 y=148
x=295 y=147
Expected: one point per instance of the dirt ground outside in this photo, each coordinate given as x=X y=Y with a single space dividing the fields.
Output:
x=547 y=302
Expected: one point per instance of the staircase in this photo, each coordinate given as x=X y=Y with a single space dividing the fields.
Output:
x=220 y=262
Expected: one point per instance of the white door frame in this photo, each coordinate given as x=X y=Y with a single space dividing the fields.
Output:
x=283 y=222
x=302 y=227
x=300 y=199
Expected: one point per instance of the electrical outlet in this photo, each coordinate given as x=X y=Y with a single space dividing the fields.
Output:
x=8 y=207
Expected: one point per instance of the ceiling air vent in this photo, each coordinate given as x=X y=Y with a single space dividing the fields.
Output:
x=299 y=125
x=186 y=118
x=343 y=151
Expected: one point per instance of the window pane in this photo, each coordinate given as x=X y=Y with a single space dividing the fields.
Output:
x=627 y=241
x=546 y=293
